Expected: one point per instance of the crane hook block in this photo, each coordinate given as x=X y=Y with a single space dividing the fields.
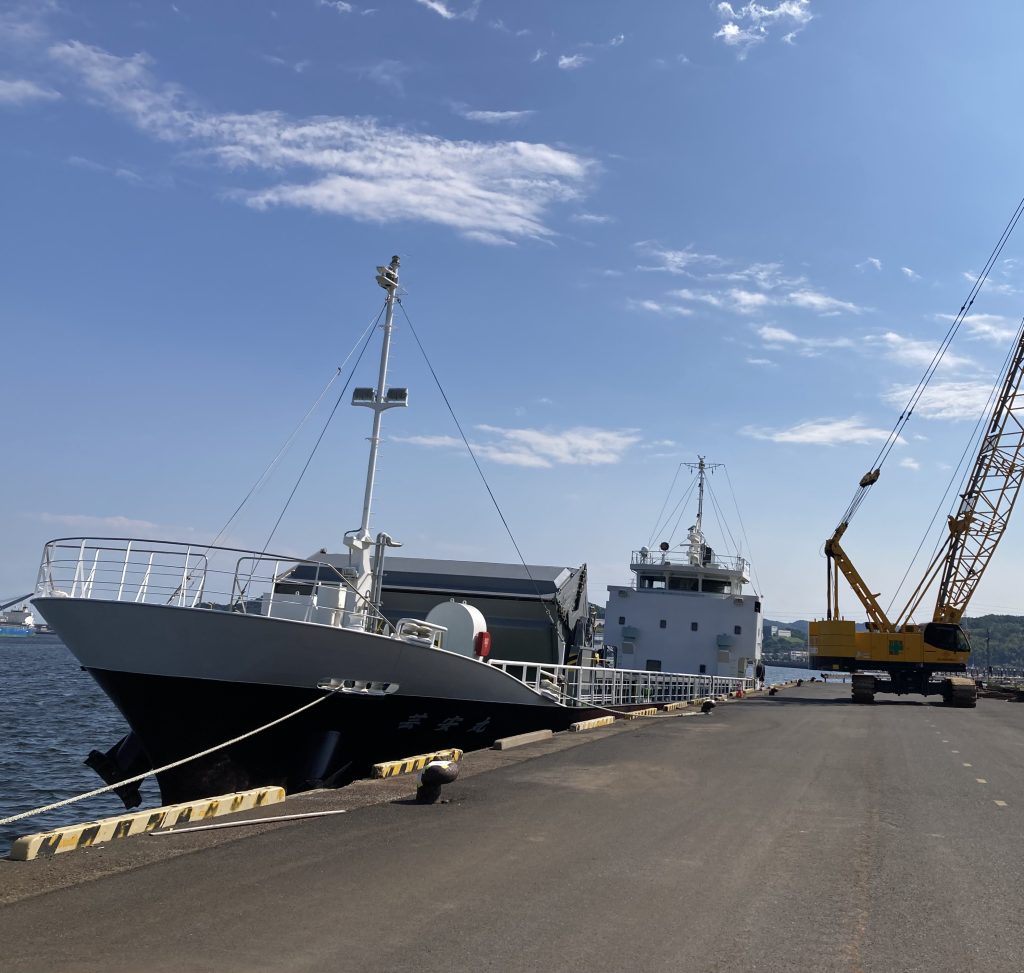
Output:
x=868 y=478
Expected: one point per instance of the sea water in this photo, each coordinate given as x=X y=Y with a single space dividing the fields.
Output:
x=51 y=715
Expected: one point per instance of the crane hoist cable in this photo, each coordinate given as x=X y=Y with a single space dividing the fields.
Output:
x=869 y=478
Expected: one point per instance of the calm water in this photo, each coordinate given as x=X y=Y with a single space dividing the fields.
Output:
x=51 y=715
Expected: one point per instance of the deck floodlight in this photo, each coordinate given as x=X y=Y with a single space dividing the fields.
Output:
x=397 y=397
x=362 y=396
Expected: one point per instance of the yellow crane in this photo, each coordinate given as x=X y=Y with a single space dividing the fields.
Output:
x=901 y=656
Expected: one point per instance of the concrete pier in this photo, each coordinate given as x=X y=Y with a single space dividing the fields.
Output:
x=796 y=832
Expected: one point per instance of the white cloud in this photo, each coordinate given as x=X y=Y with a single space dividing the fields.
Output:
x=907 y=272
x=910 y=351
x=822 y=303
x=121 y=172
x=989 y=327
x=21 y=92
x=345 y=166
x=496 y=117
x=760 y=361
x=536 y=57
x=578 y=446
x=387 y=73
x=91 y=522
x=444 y=10
x=339 y=5
x=775 y=337
x=822 y=432
x=675 y=261
x=869 y=262
x=909 y=463
x=591 y=218
x=751 y=23
x=944 y=400
x=570 y=62
x=658 y=308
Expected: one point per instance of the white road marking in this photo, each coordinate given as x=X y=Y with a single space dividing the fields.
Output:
x=967 y=765
x=1000 y=803
x=981 y=780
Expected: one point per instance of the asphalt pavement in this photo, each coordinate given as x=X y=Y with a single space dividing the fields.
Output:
x=797 y=832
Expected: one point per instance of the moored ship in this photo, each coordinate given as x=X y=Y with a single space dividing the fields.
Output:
x=296 y=663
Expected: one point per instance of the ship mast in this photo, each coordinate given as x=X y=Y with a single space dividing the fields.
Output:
x=696 y=532
x=379 y=399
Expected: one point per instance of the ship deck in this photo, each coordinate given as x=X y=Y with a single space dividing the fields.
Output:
x=794 y=832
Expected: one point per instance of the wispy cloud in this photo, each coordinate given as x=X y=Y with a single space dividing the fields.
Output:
x=338 y=5
x=944 y=400
x=780 y=338
x=351 y=167
x=538 y=55
x=21 y=92
x=571 y=62
x=444 y=9
x=675 y=261
x=93 y=522
x=909 y=463
x=872 y=262
x=657 y=307
x=388 y=74
x=541 y=448
x=907 y=272
x=989 y=327
x=746 y=26
x=297 y=66
x=591 y=218
x=822 y=432
x=911 y=351
x=121 y=172
x=495 y=117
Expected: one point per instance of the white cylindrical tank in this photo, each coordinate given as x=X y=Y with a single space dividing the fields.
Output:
x=464 y=623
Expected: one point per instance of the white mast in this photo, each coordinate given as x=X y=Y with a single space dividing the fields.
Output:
x=696 y=533
x=379 y=399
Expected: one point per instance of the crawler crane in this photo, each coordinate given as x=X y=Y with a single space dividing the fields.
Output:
x=903 y=656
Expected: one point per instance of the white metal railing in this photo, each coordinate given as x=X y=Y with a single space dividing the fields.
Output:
x=582 y=686
x=199 y=576
x=681 y=558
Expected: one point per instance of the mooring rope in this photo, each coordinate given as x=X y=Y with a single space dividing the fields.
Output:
x=170 y=766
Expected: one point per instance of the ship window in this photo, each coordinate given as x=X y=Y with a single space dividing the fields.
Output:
x=622 y=619
x=737 y=629
x=654 y=665
x=627 y=648
x=703 y=669
x=757 y=607
x=682 y=584
x=693 y=626
x=663 y=624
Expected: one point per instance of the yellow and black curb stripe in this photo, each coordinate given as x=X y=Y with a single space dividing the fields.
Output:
x=637 y=713
x=75 y=836
x=393 y=768
x=672 y=707
x=592 y=724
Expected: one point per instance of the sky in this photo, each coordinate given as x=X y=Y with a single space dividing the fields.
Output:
x=630 y=235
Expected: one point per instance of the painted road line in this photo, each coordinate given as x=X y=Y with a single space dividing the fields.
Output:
x=520 y=740
x=967 y=765
x=637 y=713
x=981 y=780
x=999 y=803
x=591 y=724
x=75 y=836
x=394 y=768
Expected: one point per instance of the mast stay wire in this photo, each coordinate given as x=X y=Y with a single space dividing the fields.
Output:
x=922 y=385
x=681 y=507
x=263 y=476
x=476 y=463
x=743 y=529
x=337 y=402
x=668 y=496
x=970 y=449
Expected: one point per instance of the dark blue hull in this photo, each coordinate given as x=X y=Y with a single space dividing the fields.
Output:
x=330 y=744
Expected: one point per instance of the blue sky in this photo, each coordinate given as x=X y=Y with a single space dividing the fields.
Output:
x=629 y=235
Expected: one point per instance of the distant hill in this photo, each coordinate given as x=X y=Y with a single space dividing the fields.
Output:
x=996 y=640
